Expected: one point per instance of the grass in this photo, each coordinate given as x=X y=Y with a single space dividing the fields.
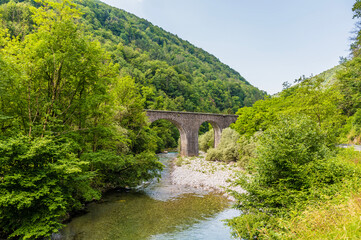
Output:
x=337 y=218
x=330 y=220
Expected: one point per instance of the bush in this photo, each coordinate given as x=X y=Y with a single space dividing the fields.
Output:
x=335 y=218
x=228 y=148
x=40 y=181
x=114 y=170
x=214 y=155
x=206 y=141
x=247 y=149
x=293 y=166
x=338 y=219
x=351 y=131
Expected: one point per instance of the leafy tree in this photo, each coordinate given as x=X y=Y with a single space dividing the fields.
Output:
x=310 y=97
x=350 y=81
x=258 y=117
x=319 y=102
x=290 y=169
x=85 y=126
x=41 y=180
x=18 y=18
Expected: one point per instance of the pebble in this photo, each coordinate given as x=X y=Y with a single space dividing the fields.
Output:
x=207 y=175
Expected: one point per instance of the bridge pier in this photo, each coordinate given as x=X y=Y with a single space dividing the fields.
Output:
x=188 y=124
x=190 y=146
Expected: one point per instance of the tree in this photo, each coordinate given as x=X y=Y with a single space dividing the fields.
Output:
x=70 y=127
x=292 y=166
x=40 y=181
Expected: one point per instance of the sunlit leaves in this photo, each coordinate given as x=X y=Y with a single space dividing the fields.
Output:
x=40 y=180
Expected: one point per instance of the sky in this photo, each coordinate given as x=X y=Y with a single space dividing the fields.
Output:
x=267 y=41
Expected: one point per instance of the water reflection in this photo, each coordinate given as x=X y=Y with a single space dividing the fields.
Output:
x=161 y=211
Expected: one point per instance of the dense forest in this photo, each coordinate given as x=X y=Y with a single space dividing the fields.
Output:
x=170 y=73
x=75 y=78
x=173 y=74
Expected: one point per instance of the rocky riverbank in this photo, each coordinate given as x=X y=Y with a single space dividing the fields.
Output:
x=207 y=175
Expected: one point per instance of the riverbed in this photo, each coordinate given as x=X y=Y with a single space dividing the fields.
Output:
x=158 y=210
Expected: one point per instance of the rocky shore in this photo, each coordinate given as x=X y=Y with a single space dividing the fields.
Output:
x=207 y=175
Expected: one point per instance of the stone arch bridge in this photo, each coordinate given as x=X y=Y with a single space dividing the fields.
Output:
x=188 y=124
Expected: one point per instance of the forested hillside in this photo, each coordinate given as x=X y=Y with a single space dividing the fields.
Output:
x=170 y=73
x=180 y=76
x=75 y=78
x=173 y=74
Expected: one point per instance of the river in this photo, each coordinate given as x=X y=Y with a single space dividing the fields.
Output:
x=161 y=210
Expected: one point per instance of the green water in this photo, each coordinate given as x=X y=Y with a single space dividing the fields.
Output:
x=159 y=211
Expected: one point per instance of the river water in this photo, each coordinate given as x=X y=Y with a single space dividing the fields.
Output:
x=160 y=210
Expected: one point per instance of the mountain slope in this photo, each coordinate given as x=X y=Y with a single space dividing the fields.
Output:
x=173 y=74
x=180 y=75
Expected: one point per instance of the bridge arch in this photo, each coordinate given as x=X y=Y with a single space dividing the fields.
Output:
x=217 y=131
x=188 y=124
x=179 y=126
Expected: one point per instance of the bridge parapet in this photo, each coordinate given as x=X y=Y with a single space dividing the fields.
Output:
x=188 y=124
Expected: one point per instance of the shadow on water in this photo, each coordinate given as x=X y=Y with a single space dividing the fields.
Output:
x=160 y=211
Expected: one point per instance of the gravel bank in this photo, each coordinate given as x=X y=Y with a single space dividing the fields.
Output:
x=199 y=173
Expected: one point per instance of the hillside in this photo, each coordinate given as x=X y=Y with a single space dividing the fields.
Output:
x=175 y=74
x=192 y=78
x=329 y=75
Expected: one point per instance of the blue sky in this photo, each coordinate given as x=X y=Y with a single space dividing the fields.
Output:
x=267 y=42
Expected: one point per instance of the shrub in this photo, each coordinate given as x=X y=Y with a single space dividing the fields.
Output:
x=351 y=131
x=293 y=166
x=214 y=155
x=206 y=141
x=228 y=148
x=335 y=218
x=40 y=180
x=247 y=149
x=114 y=170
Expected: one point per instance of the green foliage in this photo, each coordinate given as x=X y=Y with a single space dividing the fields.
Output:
x=206 y=141
x=17 y=18
x=249 y=226
x=41 y=179
x=351 y=131
x=114 y=170
x=247 y=149
x=320 y=103
x=294 y=165
x=171 y=73
x=85 y=125
x=350 y=80
x=256 y=118
x=335 y=217
x=310 y=97
x=167 y=133
x=228 y=149
x=349 y=76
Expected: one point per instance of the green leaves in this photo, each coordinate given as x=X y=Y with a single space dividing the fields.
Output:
x=294 y=165
x=227 y=149
x=40 y=180
x=86 y=128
